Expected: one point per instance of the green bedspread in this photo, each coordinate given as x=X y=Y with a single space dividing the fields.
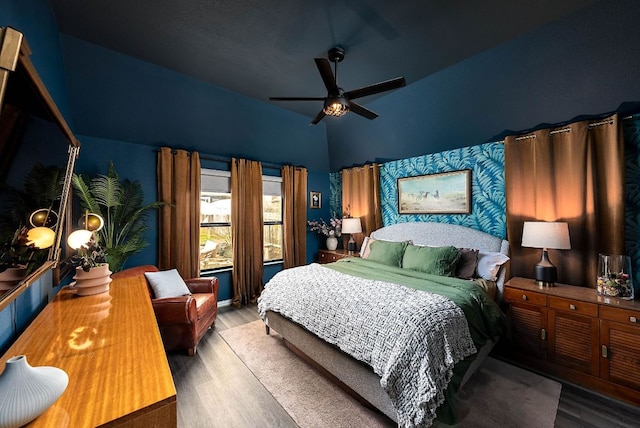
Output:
x=484 y=317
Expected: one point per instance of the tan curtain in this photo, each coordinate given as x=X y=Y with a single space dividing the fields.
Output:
x=294 y=185
x=179 y=218
x=573 y=174
x=361 y=198
x=247 y=230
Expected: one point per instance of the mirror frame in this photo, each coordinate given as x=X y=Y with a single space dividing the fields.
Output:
x=14 y=50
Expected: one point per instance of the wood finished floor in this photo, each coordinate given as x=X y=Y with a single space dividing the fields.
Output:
x=215 y=389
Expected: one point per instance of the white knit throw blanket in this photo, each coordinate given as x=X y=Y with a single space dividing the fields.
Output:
x=411 y=339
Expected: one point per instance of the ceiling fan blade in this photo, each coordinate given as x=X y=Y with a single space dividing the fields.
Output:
x=387 y=85
x=318 y=118
x=324 y=67
x=358 y=109
x=296 y=99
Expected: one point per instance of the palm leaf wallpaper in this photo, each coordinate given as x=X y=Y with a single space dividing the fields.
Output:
x=486 y=161
x=632 y=196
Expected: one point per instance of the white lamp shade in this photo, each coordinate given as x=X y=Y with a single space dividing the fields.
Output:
x=351 y=225
x=546 y=234
x=41 y=237
x=79 y=238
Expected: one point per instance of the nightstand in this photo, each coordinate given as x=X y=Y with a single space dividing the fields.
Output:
x=572 y=333
x=329 y=256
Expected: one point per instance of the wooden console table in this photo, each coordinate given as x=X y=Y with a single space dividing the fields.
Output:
x=110 y=347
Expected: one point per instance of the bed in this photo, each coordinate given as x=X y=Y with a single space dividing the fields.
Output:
x=397 y=348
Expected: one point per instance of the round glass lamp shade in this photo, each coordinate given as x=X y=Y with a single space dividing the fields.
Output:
x=41 y=237
x=91 y=221
x=79 y=238
x=43 y=218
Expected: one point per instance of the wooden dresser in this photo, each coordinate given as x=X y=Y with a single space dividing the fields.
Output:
x=574 y=334
x=110 y=347
x=328 y=256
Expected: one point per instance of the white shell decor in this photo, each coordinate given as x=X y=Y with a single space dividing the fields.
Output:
x=26 y=391
x=95 y=281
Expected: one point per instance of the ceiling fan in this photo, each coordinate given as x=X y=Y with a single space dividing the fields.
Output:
x=338 y=102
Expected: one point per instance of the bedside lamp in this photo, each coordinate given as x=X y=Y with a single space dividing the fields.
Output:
x=546 y=235
x=351 y=226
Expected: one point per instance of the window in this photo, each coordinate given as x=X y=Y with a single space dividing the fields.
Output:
x=216 y=249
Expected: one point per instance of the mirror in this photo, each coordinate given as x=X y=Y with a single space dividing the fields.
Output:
x=32 y=132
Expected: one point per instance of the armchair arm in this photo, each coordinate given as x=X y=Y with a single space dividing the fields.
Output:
x=175 y=310
x=203 y=285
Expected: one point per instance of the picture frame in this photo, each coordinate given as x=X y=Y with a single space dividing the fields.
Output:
x=440 y=193
x=315 y=200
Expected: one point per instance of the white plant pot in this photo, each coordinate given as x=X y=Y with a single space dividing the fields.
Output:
x=95 y=281
x=26 y=391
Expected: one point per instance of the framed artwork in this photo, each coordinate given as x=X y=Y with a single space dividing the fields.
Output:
x=315 y=200
x=443 y=193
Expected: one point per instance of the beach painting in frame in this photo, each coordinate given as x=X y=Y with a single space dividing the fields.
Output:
x=442 y=193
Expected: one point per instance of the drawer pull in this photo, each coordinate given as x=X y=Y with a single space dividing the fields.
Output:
x=543 y=334
x=633 y=319
x=605 y=351
x=572 y=307
x=524 y=297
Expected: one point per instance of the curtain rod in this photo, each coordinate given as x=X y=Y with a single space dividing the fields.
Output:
x=228 y=160
x=568 y=129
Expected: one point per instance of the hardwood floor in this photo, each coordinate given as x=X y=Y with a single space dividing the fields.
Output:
x=215 y=389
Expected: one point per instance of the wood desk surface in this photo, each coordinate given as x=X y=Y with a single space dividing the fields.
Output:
x=110 y=347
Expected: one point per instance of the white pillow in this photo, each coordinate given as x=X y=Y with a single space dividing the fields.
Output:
x=364 y=250
x=167 y=283
x=489 y=265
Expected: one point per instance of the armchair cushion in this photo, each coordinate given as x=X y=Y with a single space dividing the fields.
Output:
x=167 y=283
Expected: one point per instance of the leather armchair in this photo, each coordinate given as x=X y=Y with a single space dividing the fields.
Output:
x=182 y=320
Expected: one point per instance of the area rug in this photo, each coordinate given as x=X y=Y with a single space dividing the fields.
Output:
x=498 y=395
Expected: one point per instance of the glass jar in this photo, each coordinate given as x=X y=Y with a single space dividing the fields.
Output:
x=614 y=276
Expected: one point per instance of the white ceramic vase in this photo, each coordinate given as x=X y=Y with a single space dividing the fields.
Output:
x=332 y=243
x=95 y=281
x=26 y=391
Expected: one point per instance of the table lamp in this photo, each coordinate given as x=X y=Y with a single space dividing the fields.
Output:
x=351 y=225
x=546 y=235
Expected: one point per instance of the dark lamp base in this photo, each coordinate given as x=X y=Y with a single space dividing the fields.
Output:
x=545 y=272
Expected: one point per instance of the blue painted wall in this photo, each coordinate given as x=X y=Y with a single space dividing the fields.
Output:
x=34 y=18
x=585 y=63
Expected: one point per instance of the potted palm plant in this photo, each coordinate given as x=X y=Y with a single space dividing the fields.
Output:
x=120 y=204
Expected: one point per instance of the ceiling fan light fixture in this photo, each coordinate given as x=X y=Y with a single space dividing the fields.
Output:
x=336 y=107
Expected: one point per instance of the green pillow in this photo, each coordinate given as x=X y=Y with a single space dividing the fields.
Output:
x=434 y=260
x=387 y=252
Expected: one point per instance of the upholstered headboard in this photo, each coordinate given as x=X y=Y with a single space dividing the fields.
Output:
x=443 y=234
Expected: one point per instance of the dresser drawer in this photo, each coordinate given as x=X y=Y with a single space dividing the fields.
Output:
x=517 y=295
x=576 y=306
x=324 y=257
x=626 y=316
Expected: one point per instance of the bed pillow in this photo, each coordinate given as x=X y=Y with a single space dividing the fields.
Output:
x=489 y=265
x=387 y=252
x=364 y=250
x=434 y=260
x=167 y=283
x=466 y=267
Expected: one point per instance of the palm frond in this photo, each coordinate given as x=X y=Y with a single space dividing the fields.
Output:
x=83 y=191
x=106 y=191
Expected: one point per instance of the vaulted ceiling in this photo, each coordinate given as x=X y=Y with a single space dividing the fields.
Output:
x=263 y=48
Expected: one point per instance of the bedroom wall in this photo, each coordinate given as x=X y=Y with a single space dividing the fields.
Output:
x=583 y=64
x=143 y=106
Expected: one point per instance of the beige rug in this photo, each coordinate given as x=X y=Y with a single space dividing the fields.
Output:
x=499 y=395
